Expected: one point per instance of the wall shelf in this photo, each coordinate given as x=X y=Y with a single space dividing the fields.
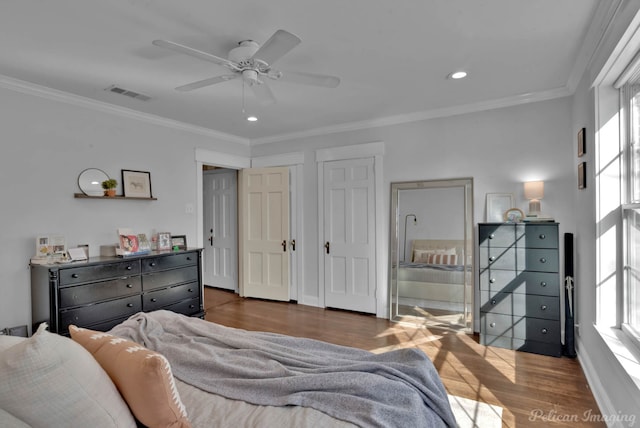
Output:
x=83 y=196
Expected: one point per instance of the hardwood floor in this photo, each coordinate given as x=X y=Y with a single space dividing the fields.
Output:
x=533 y=390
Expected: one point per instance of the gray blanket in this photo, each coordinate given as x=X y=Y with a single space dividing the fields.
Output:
x=394 y=389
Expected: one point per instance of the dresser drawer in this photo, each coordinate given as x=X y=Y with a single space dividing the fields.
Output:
x=544 y=348
x=100 y=312
x=186 y=307
x=520 y=327
x=160 y=298
x=541 y=236
x=169 y=277
x=98 y=291
x=543 y=283
x=546 y=307
x=497 y=235
x=170 y=261
x=542 y=260
x=503 y=258
x=78 y=275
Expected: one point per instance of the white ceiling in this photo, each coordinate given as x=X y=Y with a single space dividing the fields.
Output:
x=392 y=57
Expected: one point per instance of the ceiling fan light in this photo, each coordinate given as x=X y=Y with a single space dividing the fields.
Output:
x=252 y=118
x=458 y=75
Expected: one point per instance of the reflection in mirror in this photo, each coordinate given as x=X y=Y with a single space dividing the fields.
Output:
x=431 y=272
x=90 y=181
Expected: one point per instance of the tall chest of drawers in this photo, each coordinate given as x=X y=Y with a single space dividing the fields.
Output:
x=520 y=287
x=105 y=291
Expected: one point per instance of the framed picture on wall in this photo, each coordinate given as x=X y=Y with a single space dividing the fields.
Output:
x=582 y=175
x=582 y=149
x=497 y=205
x=136 y=184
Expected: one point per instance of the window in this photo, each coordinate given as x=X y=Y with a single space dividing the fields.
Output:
x=630 y=135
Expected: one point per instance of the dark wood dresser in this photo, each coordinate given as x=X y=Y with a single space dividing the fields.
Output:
x=104 y=291
x=520 y=287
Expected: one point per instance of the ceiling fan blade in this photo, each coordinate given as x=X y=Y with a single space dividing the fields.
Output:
x=310 y=79
x=263 y=93
x=194 y=52
x=278 y=44
x=206 y=82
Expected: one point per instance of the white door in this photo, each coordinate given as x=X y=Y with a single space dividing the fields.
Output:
x=349 y=231
x=220 y=255
x=264 y=233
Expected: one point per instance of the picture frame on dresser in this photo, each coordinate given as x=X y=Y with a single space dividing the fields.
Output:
x=179 y=242
x=497 y=205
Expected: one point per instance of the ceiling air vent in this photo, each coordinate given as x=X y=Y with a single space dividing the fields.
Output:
x=128 y=93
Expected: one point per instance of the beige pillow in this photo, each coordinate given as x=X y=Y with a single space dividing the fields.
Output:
x=443 y=259
x=50 y=381
x=142 y=376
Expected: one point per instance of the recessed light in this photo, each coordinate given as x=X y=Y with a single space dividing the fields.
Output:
x=252 y=118
x=458 y=75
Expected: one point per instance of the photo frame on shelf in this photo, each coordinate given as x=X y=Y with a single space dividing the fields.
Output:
x=582 y=144
x=164 y=241
x=136 y=184
x=582 y=175
x=497 y=205
x=179 y=242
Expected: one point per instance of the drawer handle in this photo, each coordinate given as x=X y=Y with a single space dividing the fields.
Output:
x=493 y=302
x=492 y=324
x=492 y=258
x=190 y=290
x=543 y=260
x=189 y=258
x=192 y=306
x=152 y=264
x=129 y=267
x=75 y=275
x=492 y=280
x=129 y=285
x=154 y=300
x=542 y=236
x=491 y=236
x=543 y=284
x=129 y=305
x=543 y=307
x=543 y=331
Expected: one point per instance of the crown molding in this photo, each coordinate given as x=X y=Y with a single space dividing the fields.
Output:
x=423 y=115
x=29 y=88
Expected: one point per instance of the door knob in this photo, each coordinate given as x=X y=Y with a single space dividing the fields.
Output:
x=327 y=246
x=293 y=245
x=284 y=245
x=211 y=240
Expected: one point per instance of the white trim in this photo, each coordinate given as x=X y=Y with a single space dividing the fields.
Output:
x=77 y=100
x=356 y=151
x=226 y=160
x=515 y=100
x=294 y=158
x=210 y=157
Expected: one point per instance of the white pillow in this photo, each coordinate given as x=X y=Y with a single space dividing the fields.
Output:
x=50 y=381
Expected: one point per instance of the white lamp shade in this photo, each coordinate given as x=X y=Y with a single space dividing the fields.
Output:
x=534 y=190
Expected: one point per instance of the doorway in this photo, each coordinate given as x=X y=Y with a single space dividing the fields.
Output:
x=431 y=269
x=220 y=254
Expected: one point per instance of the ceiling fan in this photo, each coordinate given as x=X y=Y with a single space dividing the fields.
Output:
x=253 y=63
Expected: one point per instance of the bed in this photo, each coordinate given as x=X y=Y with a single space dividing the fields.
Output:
x=434 y=277
x=162 y=369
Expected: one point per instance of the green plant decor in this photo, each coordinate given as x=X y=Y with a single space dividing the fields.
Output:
x=111 y=183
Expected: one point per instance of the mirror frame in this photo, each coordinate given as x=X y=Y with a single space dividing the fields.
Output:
x=394 y=241
x=87 y=179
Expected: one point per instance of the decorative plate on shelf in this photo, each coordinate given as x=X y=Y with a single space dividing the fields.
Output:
x=513 y=215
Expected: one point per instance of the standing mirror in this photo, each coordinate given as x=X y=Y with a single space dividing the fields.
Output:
x=431 y=272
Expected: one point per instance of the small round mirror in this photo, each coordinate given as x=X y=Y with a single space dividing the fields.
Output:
x=90 y=181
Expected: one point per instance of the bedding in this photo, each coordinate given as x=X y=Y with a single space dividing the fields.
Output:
x=398 y=388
